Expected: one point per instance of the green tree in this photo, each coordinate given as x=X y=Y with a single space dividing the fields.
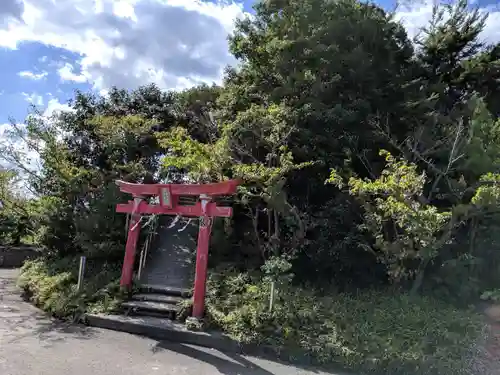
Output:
x=253 y=148
x=16 y=211
x=408 y=234
x=82 y=152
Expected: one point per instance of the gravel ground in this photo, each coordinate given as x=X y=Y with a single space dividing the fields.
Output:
x=32 y=344
x=489 y=352
x=484 y=356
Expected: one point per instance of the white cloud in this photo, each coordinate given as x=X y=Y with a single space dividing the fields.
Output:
x=54 y=106
x=174 y=43
x=10 y=9
x=33 y=98
x=491 y=32
x=66 y=74
x=416 y=14
x=31 y=75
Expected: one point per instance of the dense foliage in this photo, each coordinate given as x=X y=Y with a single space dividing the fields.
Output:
x=368 y=160
x=51 y=285
x=369 y=331
x=19 y=217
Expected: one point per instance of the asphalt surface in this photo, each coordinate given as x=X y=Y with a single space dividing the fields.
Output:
x=32 y=344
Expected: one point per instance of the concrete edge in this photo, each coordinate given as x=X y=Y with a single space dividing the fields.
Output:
x=173 y=332
x=176 y=332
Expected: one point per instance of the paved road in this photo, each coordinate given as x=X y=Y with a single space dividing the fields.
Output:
x=32 y=344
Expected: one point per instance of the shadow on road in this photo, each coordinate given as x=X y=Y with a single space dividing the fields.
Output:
x=20 y=320
x=235 y=364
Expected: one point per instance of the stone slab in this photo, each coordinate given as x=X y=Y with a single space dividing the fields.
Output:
x=162 y=329
x=161 y=307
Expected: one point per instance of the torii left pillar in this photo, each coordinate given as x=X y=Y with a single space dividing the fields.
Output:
x=131 y=246
x=200 y=278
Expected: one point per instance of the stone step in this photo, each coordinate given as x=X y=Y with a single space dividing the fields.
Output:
x=170 y=258
x=165 y=290
x=140 y=307
x=154 y=297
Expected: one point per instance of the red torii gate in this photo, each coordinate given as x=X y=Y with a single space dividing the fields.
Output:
x=169 y=194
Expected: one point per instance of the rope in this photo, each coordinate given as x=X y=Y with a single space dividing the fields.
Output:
x=151 y=218
x=136 y=224
x=176 y=219
x=136 y=206
x=185 y=226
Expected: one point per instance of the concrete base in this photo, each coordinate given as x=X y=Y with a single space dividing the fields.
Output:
x=194 y=324
x=163 y=329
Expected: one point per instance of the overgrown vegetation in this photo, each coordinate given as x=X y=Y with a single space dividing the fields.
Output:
x=18 y=216
x=389 y=333
x=370 y=166
x=52 y=286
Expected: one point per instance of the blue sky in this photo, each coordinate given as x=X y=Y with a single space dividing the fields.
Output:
x=50 y=48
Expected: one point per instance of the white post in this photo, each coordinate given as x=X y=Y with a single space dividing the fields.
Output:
x=271 y=297
x=141 y=261
x=81 y=272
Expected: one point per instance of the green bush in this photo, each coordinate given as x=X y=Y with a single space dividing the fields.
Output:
x=51 y=285
x=491 y=295
x=369 y=332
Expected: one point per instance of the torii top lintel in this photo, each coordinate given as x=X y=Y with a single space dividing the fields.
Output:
x=214 y=189
x=169 y=198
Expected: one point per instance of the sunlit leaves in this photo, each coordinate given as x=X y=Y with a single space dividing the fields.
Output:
x=488 y=194
x=204 y=162
x=404 y=228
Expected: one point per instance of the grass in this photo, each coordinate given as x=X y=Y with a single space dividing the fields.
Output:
x=369 y=332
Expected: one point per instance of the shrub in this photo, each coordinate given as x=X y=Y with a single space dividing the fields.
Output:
x=51 y=285
x=491 y=295
x=371 y=331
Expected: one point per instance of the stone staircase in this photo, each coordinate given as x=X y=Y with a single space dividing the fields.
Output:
x=164 y=283
x=167 y=277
